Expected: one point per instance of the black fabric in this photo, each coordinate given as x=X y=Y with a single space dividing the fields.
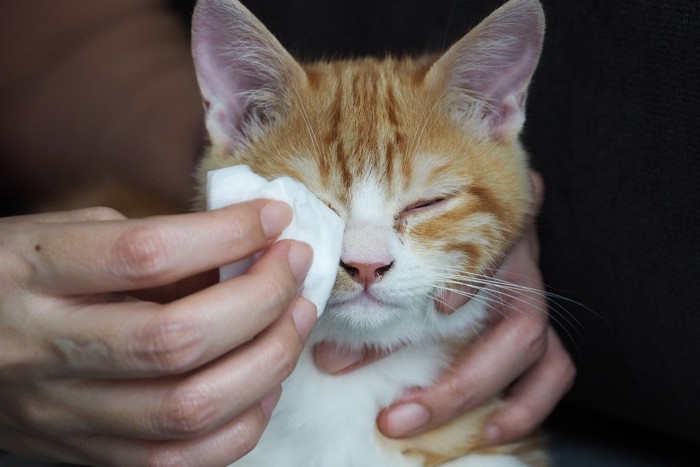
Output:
x=613 y=125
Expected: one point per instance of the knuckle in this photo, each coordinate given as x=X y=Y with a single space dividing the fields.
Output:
x=245 y=228
x=523 y=420
x=11 y=236
x=189 y=412
x=238 y=231
x=568 y=371
x=143 y=252
x=17 y=260
x=563 y=367
x=456 y=396
x=27 y=413
x=33 y=412
x=247 y=444
x=247 y=433
x=169 y=344
x=275 y=290
x=536 y=338
x=284 y=355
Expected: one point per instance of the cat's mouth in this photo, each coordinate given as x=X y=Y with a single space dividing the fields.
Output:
x=363 y=298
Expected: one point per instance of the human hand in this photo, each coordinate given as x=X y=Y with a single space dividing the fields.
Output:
x=86 y=378
x=519 y=355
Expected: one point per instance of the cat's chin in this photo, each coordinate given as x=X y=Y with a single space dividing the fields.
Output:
x=370 y=321
x=366 y=321
x=365 y=313
x=364 y=303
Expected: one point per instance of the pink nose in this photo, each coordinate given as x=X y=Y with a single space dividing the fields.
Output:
x=366 y=274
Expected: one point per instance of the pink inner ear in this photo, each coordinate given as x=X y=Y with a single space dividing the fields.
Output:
x=218 y=86
x=495 y=62
x=240 y=66
x=510 y=74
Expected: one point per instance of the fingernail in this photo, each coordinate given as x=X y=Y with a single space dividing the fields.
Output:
x=334 y=360
x=300 y=257
x=304 y=316
x=406 y=418
x=274 y=217
x=491 y=435
x=269 y=402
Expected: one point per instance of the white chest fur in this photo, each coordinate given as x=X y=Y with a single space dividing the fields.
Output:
x=330 y=421
x=324 y=421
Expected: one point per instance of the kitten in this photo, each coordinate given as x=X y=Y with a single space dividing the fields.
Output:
x=421 y=159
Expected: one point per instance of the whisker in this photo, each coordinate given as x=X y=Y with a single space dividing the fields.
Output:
x=548 y=293
x=418 y=136
x=503 y=292
x=307 y=123
x=471 y=296
x=497 y=297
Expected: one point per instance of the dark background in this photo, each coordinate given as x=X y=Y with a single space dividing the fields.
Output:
x=613 y=117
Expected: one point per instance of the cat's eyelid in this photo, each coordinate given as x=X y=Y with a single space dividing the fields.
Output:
x=425 y=204
x=429 y=202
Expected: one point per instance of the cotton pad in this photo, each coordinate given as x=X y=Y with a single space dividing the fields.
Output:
x=313 y=222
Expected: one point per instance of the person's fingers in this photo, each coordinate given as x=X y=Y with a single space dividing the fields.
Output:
x=170 y=292
x=160 y=294
x=482 y=373
x=452 y=299
x=335 y=360
x=538 y=188
x=533 y=396
x=505 y=351
x=140 y=339
x=195 y=404
x=221 y=447
x=96 y=257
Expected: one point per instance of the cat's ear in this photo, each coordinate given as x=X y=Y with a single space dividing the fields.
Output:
x=243 y=71
x=485 y=75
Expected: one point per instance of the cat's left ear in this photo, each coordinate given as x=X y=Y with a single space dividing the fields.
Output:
x=484 y=77
x=244 y=73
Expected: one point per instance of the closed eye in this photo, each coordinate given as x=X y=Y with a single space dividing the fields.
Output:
x=424 y=205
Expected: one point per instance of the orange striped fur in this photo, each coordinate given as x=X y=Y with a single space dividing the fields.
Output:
x=347 y=119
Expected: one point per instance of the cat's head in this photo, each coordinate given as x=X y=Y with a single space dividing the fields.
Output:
x=420 y=157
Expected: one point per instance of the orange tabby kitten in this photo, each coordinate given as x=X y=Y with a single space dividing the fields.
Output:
x=421 y=159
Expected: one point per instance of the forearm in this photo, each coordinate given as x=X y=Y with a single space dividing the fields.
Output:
x=93 y=89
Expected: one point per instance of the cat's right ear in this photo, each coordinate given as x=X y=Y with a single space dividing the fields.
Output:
x=484 y=77
x=242 y=69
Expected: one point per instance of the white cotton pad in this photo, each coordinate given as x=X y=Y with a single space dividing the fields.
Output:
x=313 y=222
